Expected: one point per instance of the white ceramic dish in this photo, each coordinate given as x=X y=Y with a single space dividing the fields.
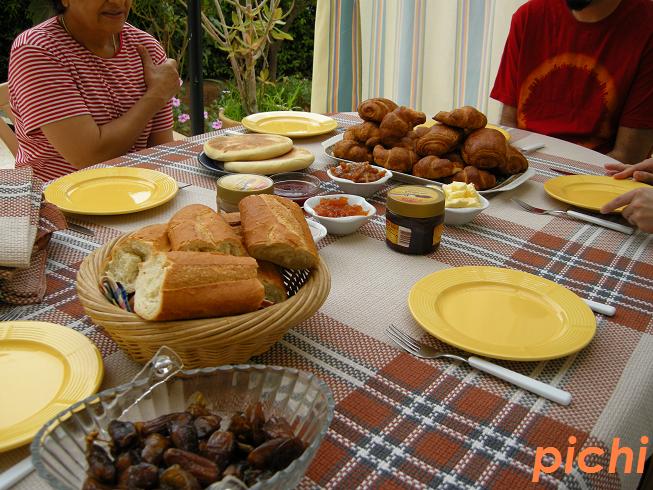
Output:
x=317 y=230
x=461 y=216
x=344 y=225
x=364 y=189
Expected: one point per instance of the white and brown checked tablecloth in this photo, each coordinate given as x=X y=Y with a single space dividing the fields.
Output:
x=403 y=422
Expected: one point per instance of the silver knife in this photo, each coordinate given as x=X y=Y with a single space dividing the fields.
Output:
x=80 y=229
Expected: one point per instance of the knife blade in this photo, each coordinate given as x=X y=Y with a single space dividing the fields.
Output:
x=80 y=229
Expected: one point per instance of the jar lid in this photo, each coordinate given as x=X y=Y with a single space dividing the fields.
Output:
x=415 y=201
x=234 y=187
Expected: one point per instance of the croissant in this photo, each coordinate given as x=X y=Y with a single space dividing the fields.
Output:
x=481 y=179
x=403 y=142
x=399 y=159
x=515 y=162
x=485 y=148
x=352 y=150
x=375 y=109
x=367 y=133
x=439 y=139
x=454 y=156
x=397 y=123
x=431 y=167
x=466 y=117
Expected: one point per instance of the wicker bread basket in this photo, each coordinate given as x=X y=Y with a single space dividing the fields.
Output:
x=203 y=342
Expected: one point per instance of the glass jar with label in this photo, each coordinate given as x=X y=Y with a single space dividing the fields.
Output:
x=414 y=219
x=232 y=188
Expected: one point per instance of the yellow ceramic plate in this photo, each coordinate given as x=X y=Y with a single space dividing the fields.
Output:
x=501 y=313
x=588 y=191
x=431 y=122
x=44 y=368
x=114 y=190
x=293 y=124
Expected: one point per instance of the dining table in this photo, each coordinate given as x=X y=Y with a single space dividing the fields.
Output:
x=405 y=422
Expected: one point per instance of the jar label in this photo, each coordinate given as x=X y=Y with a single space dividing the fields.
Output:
x=437 y=233
x=399 y=235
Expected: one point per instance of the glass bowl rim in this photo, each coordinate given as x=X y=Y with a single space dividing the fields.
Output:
x=43 y=472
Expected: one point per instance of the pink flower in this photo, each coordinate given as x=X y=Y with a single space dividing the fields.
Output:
x=206 y=115
x=176 y=102
x=216 y=124
x=183 y=118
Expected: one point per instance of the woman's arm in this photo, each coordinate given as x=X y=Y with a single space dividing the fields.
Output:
x=83 y=143
x=632 y=145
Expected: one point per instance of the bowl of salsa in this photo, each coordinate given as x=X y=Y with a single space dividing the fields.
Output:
x=341 y=214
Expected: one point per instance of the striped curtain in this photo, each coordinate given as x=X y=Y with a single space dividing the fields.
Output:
x=431 y=55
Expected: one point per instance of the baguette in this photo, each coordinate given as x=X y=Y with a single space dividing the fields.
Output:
x=274 y=229
x=127 y=256
x=197 y=228
x=185 y=285
x=270 y=277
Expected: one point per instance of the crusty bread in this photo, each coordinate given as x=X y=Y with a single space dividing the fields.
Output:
x=200 y=229
x=247 y=147
x=270 y=277
x=274 y=229
x=127 y=256
x=185 y=285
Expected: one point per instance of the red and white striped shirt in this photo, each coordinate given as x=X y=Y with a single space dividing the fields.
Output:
x=53 y=77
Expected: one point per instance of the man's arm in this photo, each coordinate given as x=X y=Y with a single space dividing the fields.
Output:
x=508 y=116
x=632 y=145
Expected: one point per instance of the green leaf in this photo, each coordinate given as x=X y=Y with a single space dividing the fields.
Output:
x=281 y=36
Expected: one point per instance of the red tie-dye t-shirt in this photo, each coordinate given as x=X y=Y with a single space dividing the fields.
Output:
x=579 y=81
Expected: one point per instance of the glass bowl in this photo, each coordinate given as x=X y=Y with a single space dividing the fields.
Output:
x=296 y=186
x=58 y=450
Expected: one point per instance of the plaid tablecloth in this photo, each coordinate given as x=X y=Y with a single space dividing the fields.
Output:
x=402 y=422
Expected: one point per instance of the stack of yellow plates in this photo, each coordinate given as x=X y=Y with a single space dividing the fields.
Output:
x=44 y=368
x=115 y=190
x=293 y=124
x=502 y=313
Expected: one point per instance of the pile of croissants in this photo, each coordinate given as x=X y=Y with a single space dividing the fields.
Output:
x=460 y=148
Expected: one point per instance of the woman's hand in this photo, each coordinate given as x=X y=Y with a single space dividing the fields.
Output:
x=162 y=80
x=638 y=210
x=641 y=172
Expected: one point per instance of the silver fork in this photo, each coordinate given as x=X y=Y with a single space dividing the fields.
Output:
x=575 y=215
x=424 y=351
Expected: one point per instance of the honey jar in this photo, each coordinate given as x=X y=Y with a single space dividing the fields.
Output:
x=414 y=219
x=232 y=188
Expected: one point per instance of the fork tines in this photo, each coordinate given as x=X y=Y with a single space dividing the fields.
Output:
x=402 y=339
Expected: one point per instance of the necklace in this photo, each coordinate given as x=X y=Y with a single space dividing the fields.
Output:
x=63 y=24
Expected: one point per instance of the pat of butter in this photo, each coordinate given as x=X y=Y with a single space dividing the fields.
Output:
x=461 y=195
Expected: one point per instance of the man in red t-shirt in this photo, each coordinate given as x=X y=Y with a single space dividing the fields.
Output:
x=582 y=71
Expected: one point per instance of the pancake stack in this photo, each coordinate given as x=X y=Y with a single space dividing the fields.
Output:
x=262 y=154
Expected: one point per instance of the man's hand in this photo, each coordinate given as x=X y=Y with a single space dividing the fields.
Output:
x=162 y=80
x=638 y=210
x=641 y=172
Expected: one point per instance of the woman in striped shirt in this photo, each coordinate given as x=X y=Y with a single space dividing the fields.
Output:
x=86 y=87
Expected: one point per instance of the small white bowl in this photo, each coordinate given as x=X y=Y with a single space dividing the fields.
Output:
x=317 y=230
x=344 y=225
x=461 y=216
x=364 y=189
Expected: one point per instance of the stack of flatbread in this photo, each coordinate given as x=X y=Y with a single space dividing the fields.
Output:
x=262 y=154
